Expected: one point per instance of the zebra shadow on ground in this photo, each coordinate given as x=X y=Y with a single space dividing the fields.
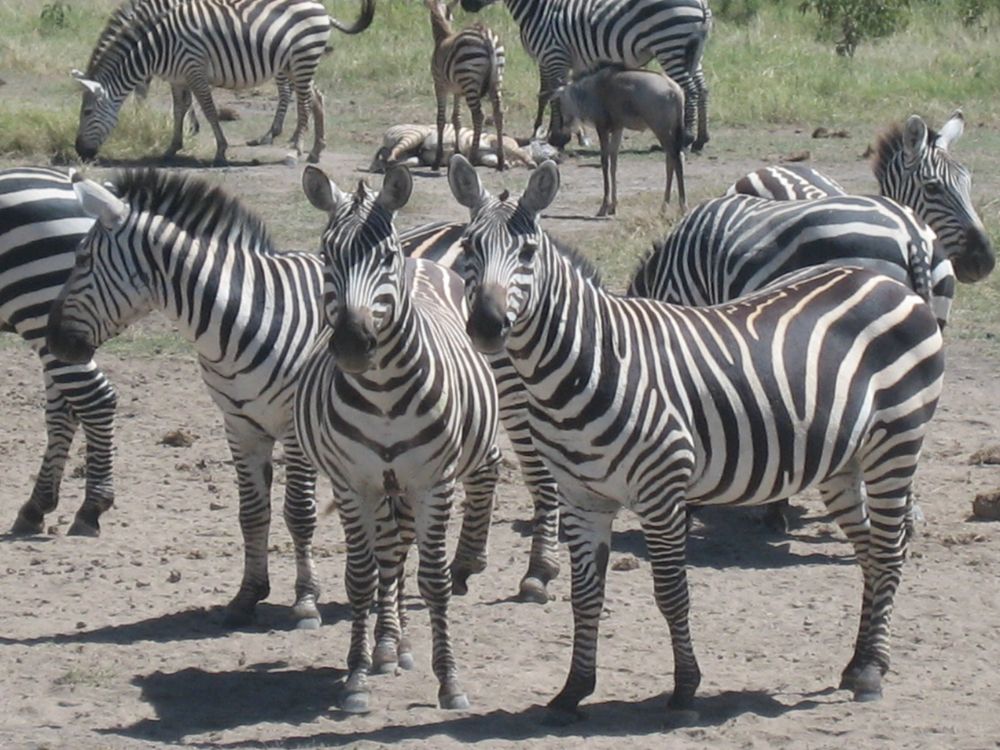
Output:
x=187 y=625
x=186 y=703
x=186 y=162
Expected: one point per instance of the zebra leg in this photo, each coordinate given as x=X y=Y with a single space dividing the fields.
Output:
x=470 y=554
x=60 y=426
x=94 y=403
x=300 y=519
x=686 y=81
x=588 y=533
x=665 y=531
x=361 y=578
x=391 y=544
x=278 y=123
x=442 y=102
x=777 y=516
x=319 y=126
x=702 y=105
x=434 y=581
x=202 y=91
x=498 y=121
x=303 y=106
x=251 y=451
x=181 y=96
x=476 y=108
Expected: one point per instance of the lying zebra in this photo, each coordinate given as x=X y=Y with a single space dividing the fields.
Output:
x=416 y=145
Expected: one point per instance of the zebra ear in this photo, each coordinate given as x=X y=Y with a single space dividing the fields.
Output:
x=92 y=86
x=914 y=140
x=951 y=131
x=99 y=202
x=397 y=185
x=542 y=188
x=321 y=190
x=464 y=182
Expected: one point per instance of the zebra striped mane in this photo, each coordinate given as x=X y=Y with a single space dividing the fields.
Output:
x=126 y=22
x=890 y=145
x=192 y=203
x=577 y=260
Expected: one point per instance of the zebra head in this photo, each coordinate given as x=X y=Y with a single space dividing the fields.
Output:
x=107 y=288
x=500 y=245
x=98 y=116
x=914 y=167
x=363 y=282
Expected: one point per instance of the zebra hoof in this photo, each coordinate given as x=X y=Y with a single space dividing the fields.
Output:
x=84 y=528
x=308 y=623
x=453 y=701
x=405 y=660
x=306 y=614
x=385 y=659
x=868 y=684
x=355 y=702
x=23 y=527
x=533 y=590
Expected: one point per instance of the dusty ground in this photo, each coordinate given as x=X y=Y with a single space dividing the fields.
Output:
x=117 y=642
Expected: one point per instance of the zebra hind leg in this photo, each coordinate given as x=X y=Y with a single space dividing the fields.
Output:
x=470 y=554
x=278 y=123
x=95 y=410
x=319 y=126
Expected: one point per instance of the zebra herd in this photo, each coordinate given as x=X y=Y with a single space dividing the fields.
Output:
x=786 y=335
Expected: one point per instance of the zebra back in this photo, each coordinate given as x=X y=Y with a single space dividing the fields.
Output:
x=786 y=183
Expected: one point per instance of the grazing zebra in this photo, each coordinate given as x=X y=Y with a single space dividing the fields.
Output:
x=40 y=225
x=564 y=35
x=467 y=63
x=197 y=44
x=395 y=407
x=416 y=145
x=828 y=379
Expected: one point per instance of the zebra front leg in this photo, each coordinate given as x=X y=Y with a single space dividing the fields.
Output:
x=664 y=527
x=702 y=106
x=470 y=554
x=251 y=451
x=300 y=519
x=390 y=554
x=60 y=426
x=434 y=581
x=588 y=534
x=442 y=103
x=94 y=406
x=360 y=578
x=278 y=123
x=202 y=91
x=182 y=99
x=319 y=126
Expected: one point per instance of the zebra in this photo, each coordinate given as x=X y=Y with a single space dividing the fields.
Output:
x=580 y=34
x=197 y=44
x=40 y=226
x=828 y=378
x=394 y=402
x=468 y=63
x=914 y=167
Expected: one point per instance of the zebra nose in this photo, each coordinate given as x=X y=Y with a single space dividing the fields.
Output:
x=71 y=346
x=84 y=151
x=353 y=341
x=977 y=260
x=487 y=325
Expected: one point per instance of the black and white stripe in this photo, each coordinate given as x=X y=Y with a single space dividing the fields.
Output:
x=40 y=225
x=468 y=64
x=575 y=35
x=396 y=408
x=210 y=270
x=197 y=44
x=826 y=380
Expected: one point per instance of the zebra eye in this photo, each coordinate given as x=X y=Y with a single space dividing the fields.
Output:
x=933 y=187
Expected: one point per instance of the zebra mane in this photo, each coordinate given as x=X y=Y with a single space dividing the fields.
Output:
x=577 y=260
x=126 y=22
x=890 y=145
x=195 y=205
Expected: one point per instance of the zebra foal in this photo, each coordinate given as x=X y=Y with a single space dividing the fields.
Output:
x=197 y=44
x=577 y=35
x=395 y=407
x=467 y=63
x=40 y=225
x=827 y=379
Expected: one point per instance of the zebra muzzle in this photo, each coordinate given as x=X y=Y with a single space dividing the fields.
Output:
x=353 y=341
x=487 y=325
x=976 y=260
x=69 y=344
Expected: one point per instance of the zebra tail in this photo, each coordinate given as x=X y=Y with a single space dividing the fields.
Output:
x=363 y=22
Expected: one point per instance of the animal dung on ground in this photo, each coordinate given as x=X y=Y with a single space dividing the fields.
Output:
x=180 y=438
x=797 y=156
x=822 y=132
x=228 y=114
x=986 y=506
x=988 y=455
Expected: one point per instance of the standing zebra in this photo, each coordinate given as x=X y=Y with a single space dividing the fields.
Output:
x=467 y=63
x=565 y=35
x=914 y=167
x=395 y=402
x=826 y=380
x=40 y=225
x=197 y=44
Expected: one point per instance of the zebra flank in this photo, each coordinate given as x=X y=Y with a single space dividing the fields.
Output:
x=197 y=44
x=565 y=36
x=395 y=407
x=469 y=65
x=40 y=226
x=826 y=379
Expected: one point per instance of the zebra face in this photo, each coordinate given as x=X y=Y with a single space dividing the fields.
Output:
x=107 y=288
x=98 y=117
x=363 y=282
x=500 y=249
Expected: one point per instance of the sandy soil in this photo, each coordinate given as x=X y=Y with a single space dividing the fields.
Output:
x=117 y=642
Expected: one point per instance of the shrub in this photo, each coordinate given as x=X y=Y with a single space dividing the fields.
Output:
x=856 y=20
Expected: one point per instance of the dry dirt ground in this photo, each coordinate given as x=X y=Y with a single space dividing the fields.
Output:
x=117 y=642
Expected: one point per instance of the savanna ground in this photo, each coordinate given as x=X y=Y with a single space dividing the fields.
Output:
x=117 y=642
